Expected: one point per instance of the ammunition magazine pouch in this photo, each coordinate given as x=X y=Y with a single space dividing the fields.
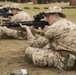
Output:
x=70 y=60
x=70 y=63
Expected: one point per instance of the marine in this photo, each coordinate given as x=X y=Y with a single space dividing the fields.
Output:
x=57 y=46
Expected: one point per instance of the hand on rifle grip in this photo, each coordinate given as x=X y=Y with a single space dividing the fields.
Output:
x=24 y=26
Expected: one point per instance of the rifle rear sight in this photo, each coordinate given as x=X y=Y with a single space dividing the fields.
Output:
x=39 y=16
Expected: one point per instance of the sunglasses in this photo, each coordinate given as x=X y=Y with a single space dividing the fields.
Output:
x=49 y=14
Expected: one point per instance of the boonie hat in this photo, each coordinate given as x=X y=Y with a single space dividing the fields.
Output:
x=15 y=6
x=55 y=9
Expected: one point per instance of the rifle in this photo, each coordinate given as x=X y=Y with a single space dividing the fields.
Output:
x=35 y=23
x=4 y=12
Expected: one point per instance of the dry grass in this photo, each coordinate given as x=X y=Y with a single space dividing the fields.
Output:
x=12 y=52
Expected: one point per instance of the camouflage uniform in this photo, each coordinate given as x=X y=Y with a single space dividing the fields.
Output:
x=54 y=48
x=20 y=16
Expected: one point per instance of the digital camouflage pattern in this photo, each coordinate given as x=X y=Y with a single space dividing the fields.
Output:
x=55 y=9
x=16 y=6
x=12 y=33
x=59 y=37
x=21 y=16
x=63 y=35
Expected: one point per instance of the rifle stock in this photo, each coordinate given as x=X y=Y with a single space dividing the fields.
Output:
x=35 y=24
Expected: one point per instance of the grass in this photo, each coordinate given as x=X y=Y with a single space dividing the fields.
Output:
x=70 y=13
x=12 y=52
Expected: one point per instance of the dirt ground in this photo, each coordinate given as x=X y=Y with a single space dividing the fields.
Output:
x=12 y=57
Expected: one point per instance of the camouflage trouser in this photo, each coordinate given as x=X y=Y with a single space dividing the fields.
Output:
x=44 y=57
x=11 y=32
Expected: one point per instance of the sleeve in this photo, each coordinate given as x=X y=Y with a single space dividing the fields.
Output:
x=30 y=36
x=37 y=41
x=14 y=19
x=36 y=31
x=53 y=29
x=21 y=16
x=40 y=42
x=49 y=32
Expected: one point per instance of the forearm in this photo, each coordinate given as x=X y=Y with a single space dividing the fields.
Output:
x=30 y=36
x=40 y=42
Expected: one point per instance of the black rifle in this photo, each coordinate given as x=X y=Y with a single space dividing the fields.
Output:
x=4 y=12
x=35 y=23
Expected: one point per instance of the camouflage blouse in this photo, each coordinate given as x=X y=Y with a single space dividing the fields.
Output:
x=61 y=35
x=21 y=16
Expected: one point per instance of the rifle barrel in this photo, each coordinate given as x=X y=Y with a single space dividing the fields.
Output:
x=36 y=24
